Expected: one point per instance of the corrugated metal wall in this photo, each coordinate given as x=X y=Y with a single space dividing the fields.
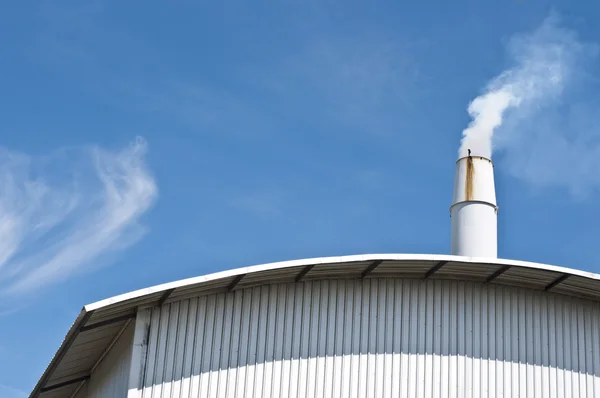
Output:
x=110 y=378
x=374 y=338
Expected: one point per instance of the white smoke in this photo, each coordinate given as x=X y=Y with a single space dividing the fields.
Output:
x=543 y=64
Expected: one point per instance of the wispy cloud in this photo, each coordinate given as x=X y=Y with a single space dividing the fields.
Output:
x=59 y=214
x=540 y=114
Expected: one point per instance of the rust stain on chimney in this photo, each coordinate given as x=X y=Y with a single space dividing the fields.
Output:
x=469 y=183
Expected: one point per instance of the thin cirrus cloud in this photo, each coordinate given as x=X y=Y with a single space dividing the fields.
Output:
x=61 y=214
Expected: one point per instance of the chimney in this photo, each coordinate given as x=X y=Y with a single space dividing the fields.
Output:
x=474 y=214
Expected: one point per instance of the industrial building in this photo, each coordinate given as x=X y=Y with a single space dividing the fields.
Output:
x=379 y=325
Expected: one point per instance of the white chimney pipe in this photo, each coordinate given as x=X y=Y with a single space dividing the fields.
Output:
x=474 y=214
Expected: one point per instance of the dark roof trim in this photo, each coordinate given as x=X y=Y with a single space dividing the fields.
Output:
x=370 y=268
x=65 y=383
x=499 y=272
x=434 y=269
x=165 y=296
x=304 y=271
x=235 y=281
x=555 y=282
x=106 y=322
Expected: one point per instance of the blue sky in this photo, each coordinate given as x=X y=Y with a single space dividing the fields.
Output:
x=144 y=143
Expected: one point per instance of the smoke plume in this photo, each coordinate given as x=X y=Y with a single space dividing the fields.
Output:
x=540 y=115
x=542 y=66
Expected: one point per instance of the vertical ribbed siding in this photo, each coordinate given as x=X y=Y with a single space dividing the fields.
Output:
x=110 y=378
x=374 y=338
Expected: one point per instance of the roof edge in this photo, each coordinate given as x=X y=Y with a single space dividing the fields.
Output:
x=88 y=310
x=62 y=349
x=331 y=260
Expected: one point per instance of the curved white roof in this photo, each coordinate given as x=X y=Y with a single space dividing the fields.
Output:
x=99 y=324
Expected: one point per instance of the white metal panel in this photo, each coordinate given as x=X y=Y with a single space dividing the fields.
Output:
x=374 y=338
x=81 y=349
x=111 y=378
